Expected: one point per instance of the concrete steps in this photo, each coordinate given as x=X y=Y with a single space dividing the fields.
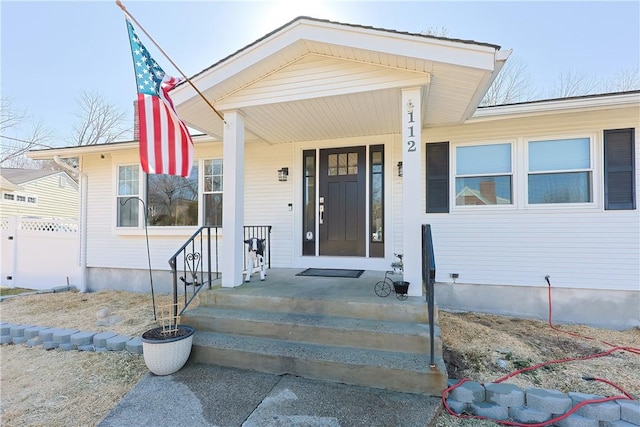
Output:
x=376 y=343
x=314 y=328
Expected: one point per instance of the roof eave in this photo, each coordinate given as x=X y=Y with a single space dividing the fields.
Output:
x=552 y=106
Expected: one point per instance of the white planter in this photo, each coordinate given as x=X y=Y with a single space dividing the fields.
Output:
x=167 y=356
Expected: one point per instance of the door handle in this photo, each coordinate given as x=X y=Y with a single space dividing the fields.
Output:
x=321 y=214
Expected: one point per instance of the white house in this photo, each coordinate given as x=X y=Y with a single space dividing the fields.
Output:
x=379 y=132
x=42 y=193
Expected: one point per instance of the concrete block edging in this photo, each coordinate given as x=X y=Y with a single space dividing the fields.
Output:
x=539 y=405
x=67 y=339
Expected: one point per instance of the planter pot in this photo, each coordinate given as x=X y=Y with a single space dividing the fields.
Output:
x=165 y=356
x=401 y=287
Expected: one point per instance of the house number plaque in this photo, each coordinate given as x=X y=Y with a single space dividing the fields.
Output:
x=411 y=142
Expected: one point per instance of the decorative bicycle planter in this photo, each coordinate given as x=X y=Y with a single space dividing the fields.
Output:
x=384 y=287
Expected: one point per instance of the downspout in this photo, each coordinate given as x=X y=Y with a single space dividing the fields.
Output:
x=82 y=235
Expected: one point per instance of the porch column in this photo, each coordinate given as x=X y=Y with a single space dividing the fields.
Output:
x=233 y=199
x=411 y=185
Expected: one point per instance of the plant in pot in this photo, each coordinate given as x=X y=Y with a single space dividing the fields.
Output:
x=167 y=347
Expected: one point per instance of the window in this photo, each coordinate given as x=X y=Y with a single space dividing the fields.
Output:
x=619 y=167
x=128 y=192
x=343 y=164
x=32 y=200
x=8 y=196
x=212 y=194
x=376 y=247
x=483 y=175
x=172 y=200
x=309 y=201
x=22 y=199
x=560 y=171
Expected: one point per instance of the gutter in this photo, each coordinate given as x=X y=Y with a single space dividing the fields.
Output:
x=82 y=235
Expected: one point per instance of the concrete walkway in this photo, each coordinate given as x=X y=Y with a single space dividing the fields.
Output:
x=204 y=395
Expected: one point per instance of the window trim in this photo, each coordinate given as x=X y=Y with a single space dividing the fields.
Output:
x=117 y=197
x=596 y=183
x=201 y=191
x=453 y=146
x=139 y=230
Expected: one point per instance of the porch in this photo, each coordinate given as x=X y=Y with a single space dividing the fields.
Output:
x=326 y=328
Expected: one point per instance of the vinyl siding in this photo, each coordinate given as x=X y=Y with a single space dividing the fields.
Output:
x=54 y=200
x=579 y=247
x=266 y=199
x=330 y=77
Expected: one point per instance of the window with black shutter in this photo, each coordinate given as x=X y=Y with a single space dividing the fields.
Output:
x=437 y=177
x=619 y=166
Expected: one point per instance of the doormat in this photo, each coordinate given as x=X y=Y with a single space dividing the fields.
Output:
x=331 y=272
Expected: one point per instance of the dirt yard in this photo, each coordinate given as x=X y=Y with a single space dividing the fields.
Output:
x=54 y=387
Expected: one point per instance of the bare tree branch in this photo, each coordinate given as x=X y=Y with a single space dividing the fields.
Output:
x=98 y=121
x=513 y=84
x=15 y=141
x=574 y=84
x=436 y=32
x=624 y=80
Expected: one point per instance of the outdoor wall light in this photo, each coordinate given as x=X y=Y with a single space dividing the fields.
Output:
x=283 y=174
x=400 y=169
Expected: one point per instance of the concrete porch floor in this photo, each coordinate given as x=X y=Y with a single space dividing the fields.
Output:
x=284 y=282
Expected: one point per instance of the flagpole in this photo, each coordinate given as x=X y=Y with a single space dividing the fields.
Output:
x=124 y=9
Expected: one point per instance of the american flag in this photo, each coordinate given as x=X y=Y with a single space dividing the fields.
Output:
x=165 y=144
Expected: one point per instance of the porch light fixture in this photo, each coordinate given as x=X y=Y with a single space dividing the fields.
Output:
x=400 y=169
x=283 y=174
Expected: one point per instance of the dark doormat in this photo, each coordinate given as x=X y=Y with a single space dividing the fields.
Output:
x=331 y=272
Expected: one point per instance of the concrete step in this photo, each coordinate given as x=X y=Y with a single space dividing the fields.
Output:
x=399 y=371
x=314 y=328
x=413 y=309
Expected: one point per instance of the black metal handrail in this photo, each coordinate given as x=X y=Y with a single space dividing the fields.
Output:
x=202 y=249
x=428 y=279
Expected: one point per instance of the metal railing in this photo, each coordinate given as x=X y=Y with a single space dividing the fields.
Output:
x=429 y=279
x=197 y=262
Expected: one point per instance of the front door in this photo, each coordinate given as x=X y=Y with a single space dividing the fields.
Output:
x=342 y=201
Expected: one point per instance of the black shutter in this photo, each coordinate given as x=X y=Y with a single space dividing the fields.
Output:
x=437 y=177
x=619 y=169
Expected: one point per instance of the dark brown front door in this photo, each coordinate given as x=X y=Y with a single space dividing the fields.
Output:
x=342 y=201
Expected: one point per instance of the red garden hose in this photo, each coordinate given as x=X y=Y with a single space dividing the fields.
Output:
x=614 y=348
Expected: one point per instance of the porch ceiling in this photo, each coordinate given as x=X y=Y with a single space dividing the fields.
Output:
x=314 y=80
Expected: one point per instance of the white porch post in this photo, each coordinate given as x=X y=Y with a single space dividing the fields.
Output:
x=411 y=185
x=233 y=199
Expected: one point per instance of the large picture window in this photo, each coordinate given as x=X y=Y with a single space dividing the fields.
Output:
x=172 y=200
x=560 y=171
x=212 y=195
x=483 y=175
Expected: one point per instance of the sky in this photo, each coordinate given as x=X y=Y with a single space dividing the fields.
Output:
x=52 y=51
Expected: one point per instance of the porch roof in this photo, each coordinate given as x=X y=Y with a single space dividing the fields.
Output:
x=315 y=79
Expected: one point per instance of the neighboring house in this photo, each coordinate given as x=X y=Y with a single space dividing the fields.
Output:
x=38 y=193
x=346 y=139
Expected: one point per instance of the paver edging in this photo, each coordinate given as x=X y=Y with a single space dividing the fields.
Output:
x=553 y=401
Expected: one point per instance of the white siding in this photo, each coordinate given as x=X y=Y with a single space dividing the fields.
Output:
x=266 y=198
x=109 y=247
x=330 y=77
x=57 y=197
x=579 y=247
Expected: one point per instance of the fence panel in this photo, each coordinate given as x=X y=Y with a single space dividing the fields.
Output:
x=41 y=253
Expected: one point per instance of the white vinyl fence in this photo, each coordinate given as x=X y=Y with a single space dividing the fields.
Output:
x=39 y=253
